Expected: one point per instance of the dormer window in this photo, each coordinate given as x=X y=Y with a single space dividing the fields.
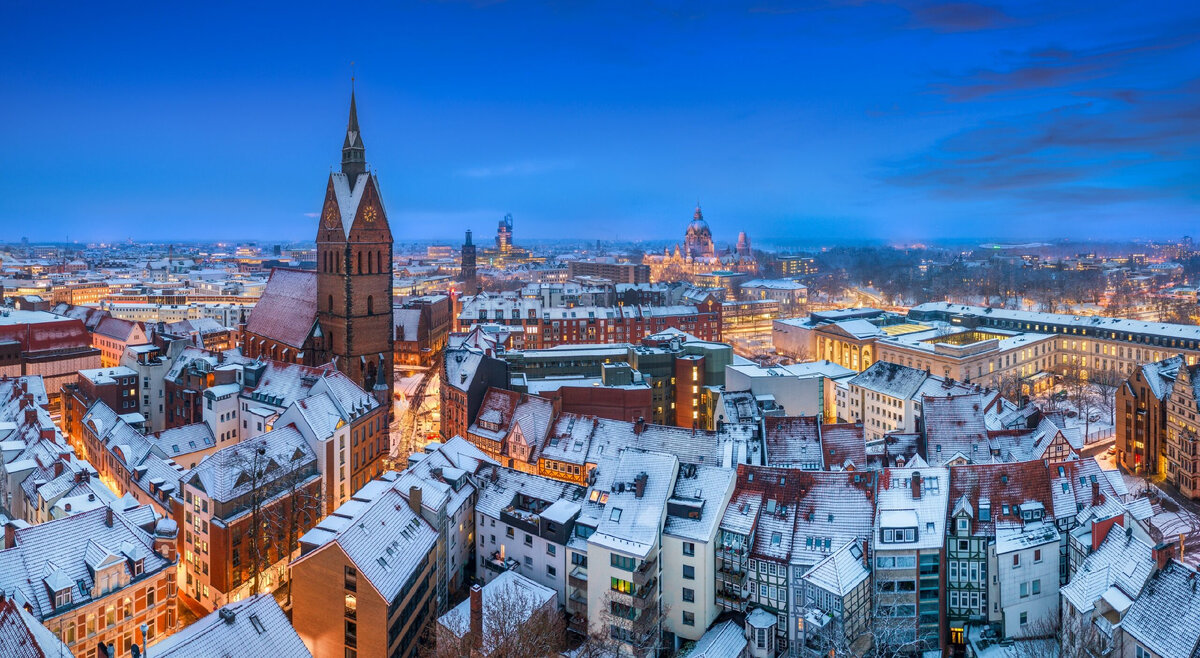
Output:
x=899 y=535
x=139 y=566
x=62 y=598
x=963 y=525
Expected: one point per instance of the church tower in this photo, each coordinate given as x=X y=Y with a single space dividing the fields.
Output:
x=354 y=271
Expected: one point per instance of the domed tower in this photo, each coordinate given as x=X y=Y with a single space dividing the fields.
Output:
x=743 y=246
x=698 y=242
x=354 y=270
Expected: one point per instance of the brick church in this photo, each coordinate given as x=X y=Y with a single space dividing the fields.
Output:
x=342 y=312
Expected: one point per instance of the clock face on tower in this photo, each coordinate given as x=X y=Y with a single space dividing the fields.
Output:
x=369 y=214
x=330 y=217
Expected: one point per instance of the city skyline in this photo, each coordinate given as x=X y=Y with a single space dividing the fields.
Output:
x=886 y=121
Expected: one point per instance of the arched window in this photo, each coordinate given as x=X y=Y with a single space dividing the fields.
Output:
x=379 y=261
x=360 y=262
x=370 y=305
x=331 y=303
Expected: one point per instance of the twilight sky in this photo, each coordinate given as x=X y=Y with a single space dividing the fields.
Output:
x=808 y=120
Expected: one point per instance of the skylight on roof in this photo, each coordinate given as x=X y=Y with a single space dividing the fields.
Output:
x=615 y=515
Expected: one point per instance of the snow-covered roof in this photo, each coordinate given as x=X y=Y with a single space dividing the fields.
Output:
x=254 y=626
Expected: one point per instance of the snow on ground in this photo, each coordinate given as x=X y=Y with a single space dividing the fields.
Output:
x=1170 y=518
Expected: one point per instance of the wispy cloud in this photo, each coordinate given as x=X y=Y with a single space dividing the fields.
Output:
x=312 y=214
x=1094 y=152
x=948 y=17
x=1053 y=67
x=520 y=168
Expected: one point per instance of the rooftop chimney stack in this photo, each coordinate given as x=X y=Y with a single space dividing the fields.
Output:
x=1095 y=493
x=414 y=499
x=639 y=485
x=476 y=616
x=1163 y=554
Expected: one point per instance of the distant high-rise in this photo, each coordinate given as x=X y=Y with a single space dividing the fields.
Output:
x=504 y=234
x=470 y=283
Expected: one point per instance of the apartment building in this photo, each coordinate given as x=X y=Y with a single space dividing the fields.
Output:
x=244 y=510
x=95 y=577
x=1002 y=558
x=1183 y=432
x=689 y=549
x=778 y=525
x=625 y=565
x=537 y=326
x=524 y=524
x=909 y=551
x=1141 y=416
x=887 y=397
x=835 y=604
x=375 y=561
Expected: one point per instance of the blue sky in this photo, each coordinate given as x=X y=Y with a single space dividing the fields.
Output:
x=846 y=119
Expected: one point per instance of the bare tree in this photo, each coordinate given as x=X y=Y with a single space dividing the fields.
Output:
x=513 y=626
x=1107 y=383
x=1010 y=385
x=267 y=478
x=624 y=628
x=299 y=485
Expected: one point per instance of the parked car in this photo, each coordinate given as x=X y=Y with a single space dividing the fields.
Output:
x=1060 y=396
x=1094 y=416
x=1071 y=413
x=1112 y=450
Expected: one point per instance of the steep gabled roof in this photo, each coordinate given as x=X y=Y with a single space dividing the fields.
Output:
x=254 y=626
x=287 y=310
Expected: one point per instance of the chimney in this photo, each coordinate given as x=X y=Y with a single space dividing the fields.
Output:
x=476 y=616
x=1163 y=554
x=639 y=485
x=10 y=535
x=58 y=466
x=47 y=433
x=414 y=498
x=640 y=425
x=916 y=485
x=1095 y=493
x=31 y=416
x=108 y=516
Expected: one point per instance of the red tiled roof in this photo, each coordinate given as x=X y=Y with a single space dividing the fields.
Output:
x=1003 y=485
x=62 y=334
x=287 y=310
x=843 y=442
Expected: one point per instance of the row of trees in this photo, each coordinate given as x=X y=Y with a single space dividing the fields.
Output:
x=910 y=276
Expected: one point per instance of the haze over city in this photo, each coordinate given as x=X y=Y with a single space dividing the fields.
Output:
x=816 y=121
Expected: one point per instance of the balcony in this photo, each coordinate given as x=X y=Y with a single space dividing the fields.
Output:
x=578 y=578
x=645 y=572
x=646 y=596
x=500 y=564
x=577 y=603
x=733 y=599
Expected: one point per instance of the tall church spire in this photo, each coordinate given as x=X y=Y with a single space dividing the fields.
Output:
x=354 y=158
